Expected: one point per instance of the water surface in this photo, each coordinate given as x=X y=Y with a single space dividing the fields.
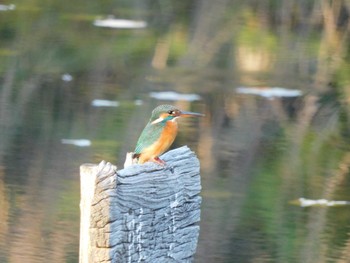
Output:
x=72 y=92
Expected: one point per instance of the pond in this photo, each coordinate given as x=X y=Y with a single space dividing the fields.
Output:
x=78 y=83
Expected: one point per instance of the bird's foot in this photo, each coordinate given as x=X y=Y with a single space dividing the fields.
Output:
x=159 y=161
x=162 y=163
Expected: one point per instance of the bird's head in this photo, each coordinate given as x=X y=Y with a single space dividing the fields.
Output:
x=164 y=113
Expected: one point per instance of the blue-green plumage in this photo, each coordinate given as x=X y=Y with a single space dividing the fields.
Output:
x=159 y=133
x=151 y=133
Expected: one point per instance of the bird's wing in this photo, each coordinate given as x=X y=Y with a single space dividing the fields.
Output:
x=149 y=135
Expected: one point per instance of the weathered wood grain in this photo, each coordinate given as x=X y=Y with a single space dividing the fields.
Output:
x=145 y=213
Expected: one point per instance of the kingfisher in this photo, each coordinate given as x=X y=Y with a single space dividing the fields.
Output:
x=159 y=133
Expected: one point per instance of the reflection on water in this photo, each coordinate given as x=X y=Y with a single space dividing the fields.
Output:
x=7 y=7
x=77 y=142
x=269 y=92
x=174 y=96
x=320 y=202
x=67 y=83
x=104 y=103
x=112 y=22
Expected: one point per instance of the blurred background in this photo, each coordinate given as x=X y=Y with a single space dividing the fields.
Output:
x=78 y=82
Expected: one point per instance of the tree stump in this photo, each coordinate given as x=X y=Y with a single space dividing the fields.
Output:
x=143 y=213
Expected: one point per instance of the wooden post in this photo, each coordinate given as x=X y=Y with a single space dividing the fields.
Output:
x=143 y=213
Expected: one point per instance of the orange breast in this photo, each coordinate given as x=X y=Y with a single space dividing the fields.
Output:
x=167 y=137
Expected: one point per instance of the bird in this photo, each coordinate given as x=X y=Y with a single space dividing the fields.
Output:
x=159 y=133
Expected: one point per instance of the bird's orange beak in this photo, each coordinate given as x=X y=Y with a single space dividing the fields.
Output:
x=190 y=114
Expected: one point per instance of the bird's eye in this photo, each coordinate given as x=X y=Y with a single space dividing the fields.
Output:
x=171 y=112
